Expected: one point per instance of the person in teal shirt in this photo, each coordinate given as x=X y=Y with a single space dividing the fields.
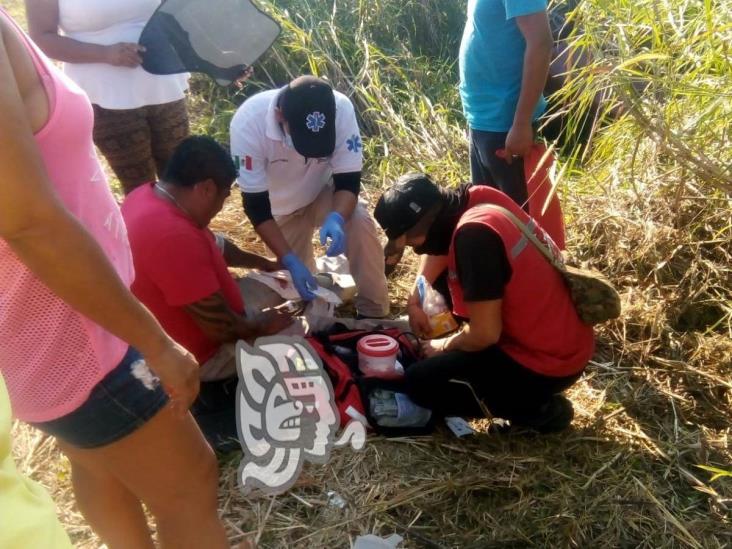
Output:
x=504 y=62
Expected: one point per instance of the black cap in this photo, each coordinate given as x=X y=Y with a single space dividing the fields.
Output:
x=401 y=208
x=405 y=204
x=308 y=106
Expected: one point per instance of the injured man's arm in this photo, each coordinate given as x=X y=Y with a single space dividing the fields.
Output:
x=238 y=258
x=223 y=325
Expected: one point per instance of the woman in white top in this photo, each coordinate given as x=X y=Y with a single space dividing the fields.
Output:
x=139 y=117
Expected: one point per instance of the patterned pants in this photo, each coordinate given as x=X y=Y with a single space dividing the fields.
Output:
x=138 y=143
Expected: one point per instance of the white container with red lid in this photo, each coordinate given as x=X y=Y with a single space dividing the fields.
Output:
x=377 y=356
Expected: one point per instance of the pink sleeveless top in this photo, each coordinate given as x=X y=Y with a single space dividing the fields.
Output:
x=50 y=355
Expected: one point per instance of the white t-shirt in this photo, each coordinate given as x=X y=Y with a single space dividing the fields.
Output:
x=267 y=163
x=108 y=22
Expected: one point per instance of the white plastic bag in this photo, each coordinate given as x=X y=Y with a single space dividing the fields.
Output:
x=432 y=301
x=371 y=541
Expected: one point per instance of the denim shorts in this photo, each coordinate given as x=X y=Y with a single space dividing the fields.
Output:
x=118 y=405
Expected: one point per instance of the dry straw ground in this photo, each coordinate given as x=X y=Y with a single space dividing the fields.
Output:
x=653 y=409
x=626 y=473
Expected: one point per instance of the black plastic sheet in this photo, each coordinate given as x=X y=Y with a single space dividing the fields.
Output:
x=220 y=38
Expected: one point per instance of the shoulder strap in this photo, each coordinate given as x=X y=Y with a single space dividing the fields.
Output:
x=520 y=225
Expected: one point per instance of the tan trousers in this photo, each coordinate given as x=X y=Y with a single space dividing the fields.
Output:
x=363 y=249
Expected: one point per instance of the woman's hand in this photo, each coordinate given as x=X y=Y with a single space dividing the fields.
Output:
x=178 y=373
x=124 y=54
x=419 y=322
x=246 y=75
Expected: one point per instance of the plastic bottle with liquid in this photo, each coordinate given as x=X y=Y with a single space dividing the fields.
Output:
x=433 y=304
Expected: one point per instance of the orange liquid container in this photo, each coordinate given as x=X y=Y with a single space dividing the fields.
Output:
x=442 y=324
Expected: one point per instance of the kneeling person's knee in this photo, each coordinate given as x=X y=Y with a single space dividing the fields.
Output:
x=421 y=386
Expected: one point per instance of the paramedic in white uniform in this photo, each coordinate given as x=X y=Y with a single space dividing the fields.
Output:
x=300 y=157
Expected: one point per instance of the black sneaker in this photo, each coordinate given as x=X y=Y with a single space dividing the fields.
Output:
x=554 y=416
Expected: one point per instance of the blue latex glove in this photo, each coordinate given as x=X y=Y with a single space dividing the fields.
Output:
x=303 y=279
x=333 y=228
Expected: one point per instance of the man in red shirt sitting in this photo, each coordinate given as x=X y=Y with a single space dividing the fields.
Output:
x=181 y=267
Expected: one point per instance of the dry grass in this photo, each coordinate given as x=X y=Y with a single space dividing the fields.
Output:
x=655 y=404
x=625 y=475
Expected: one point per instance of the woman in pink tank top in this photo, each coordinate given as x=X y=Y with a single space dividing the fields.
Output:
x=69 y=328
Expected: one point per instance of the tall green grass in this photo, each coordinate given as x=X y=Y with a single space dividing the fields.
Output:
x=659 y=158
x=664 y=166
x=668 y=67
x=396 y=60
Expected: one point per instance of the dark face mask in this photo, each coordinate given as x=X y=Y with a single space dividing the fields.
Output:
x=440 y=233
x=438 y=238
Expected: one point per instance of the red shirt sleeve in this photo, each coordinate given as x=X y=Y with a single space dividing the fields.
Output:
x=182 y=267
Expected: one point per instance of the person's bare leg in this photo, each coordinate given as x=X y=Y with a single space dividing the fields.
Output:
x=112 y=511
x=168 y=465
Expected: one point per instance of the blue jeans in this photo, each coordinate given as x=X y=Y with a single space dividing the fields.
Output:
x=118 y=405
x=488 y=169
